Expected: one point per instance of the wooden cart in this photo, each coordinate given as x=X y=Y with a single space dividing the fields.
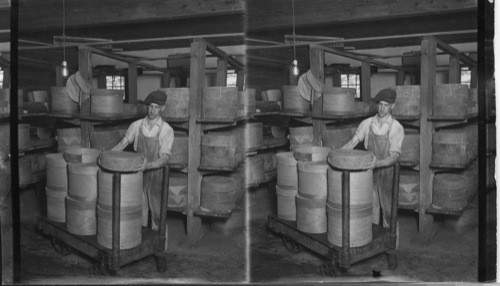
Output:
x=341 y=258
x=110 y=260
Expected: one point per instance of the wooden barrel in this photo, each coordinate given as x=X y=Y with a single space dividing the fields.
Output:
x=4 y=139
x=337 y=136
x=220 y=102
x=285 y=198
x=25 y=172
x=221 y=149
x=177 y=190
x=473 y=106
x=5 y=95
x=271 y=95
x=453 y=146
x=338 y=99
x=253 y=135
x=278 y=131
x=450 y=100
x=407 y=100
x=218 y=193
x=350 y=159
x=121 y=161
x=105 y=139
x=38 y=96
x=43 y=133
x=360 y=225
x=106 y=102
x=300 y=136
x=254 y=171
x=287 y=170
x=68 y=138
x=312 y=180
x=179 y=152
x=131 y=190
x=410 y=150
x=56 y=205
x=311 y=153
x=269 y=161
x=57 y=176
x=130 y=228
x=81 y=217
x=491 y=137
x=360 y=186
x=247 y=102
x=23 y=135
x=452 y=190
x=177 y=103
x=311 y=214
x=81 y=155
x=409 y=187
x=61 y=103
x=37 y=162
x=82 y=181
x=293 y=101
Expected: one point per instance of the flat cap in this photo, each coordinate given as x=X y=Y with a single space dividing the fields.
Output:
x=388 y=95
x=158 y=97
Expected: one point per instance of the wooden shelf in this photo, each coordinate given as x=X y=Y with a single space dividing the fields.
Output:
x=217 y=120
x=411 y=207
x=268 y=144
x=453 y=166
x=38 y=145
x=266 y=113
x=178 y=166
x=294 y=113
x=406 y=117
x=223 y=169
x=109 y=118
x=175 y=120
x=27 y=115
x=177 y=209
x=340 y=116
x=408 y=163
x=63 y=116
x=450 y=118
x=219 y=214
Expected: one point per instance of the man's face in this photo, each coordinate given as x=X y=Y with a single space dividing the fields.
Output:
x=154 y=110
x=384 y=108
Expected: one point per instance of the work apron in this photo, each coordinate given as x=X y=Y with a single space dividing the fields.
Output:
x=382 y=178
x=149 y=147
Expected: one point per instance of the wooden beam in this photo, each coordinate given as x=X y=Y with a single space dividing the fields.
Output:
x=85 y=69
x=401 y=76
x=317 y=63
x=322 y=12
x=221 y=79
x=427 y=82
x=240 y=80
x=454 y=71
x=222 y=55
x=337 y=79
x=197 y=83
x=453 y=52
x=101 y=81
x=132 y=82
x=165 y=80
x=359 y=58
x=84 y=13
x=366 y=79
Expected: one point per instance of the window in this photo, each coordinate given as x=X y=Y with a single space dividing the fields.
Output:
x=1 y=78
x=115 y=82
x=351 y=81
x=231 y=78
x=465 y=76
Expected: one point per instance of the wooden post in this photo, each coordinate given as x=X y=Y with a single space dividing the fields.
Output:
x=101 y=81
x=427 y=82
x=366 y=87
x=317 y=66
x=197 y=82
x=85 y=69
x=240 y=80
x=400 y=80
x=59 y=78
x=221 y=72
x=165 y=80
x=132 y=82
x=454 y=72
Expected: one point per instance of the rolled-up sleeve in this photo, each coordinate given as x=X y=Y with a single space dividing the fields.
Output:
x=133 y=132
x=362 y=130
x=166 y=139
x=396 y=137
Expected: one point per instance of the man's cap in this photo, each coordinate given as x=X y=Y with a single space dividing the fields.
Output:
x=158 y=97
x=388 y=95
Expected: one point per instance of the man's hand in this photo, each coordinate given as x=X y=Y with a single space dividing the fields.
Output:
x=374 y=163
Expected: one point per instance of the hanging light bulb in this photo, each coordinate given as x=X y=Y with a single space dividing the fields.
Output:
x=64 y=69
x=64 y=64
x=295 y=64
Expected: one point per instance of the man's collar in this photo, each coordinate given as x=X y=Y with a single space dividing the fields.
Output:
x=388 y=119
x=155 y=121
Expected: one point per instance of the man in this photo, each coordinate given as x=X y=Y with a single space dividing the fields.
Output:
x=153 y=139
x=383 y=135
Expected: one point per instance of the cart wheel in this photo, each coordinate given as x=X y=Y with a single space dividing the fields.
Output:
x=161 y=263
x=61 y=247
x=330 y=268
x=291 y=245
x=392 y=261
